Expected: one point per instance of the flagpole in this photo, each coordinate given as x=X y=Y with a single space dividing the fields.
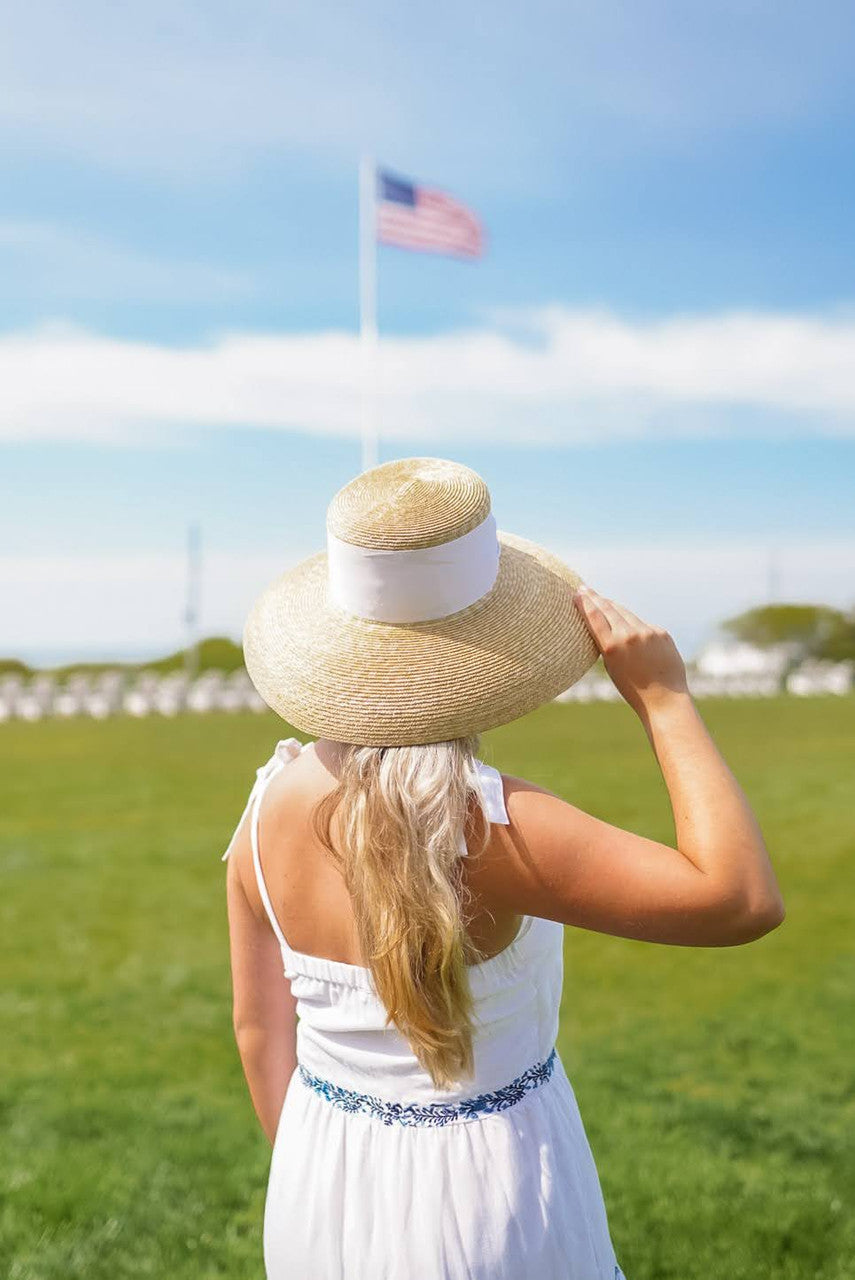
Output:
x=368 y=308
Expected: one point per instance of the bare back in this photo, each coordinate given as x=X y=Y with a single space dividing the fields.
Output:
x=307 y=890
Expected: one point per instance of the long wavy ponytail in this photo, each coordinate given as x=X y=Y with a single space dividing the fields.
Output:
x=398 y=814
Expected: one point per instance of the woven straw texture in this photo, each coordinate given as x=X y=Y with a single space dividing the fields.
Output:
x=410 y=503
x=334 y=675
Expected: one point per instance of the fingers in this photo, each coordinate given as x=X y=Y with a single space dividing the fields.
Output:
x=595 y=604
x=612 y=620
x=597 y=622
x=612 y=612
x=632 y=621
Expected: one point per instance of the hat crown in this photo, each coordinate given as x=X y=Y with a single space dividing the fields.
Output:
x=408 y=504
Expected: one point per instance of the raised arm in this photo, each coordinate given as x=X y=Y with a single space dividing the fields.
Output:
x=716 y=888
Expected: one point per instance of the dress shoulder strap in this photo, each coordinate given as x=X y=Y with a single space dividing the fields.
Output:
x=286 y=750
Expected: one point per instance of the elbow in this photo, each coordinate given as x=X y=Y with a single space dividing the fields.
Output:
x=753 y=919
x=775 y=914
x=253 y=1045
x=246 y=1032
x=238 y=1022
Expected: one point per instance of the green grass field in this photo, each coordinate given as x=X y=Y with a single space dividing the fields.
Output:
x=717 y=1086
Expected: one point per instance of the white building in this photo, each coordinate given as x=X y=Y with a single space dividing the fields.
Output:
x=725 y=658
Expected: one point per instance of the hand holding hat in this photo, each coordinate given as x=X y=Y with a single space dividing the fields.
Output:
x=642 y=660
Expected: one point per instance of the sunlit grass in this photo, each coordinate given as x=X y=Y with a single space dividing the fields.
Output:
x=717 y=1086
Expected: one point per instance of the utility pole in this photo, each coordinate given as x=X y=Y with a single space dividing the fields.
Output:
x=191 y=609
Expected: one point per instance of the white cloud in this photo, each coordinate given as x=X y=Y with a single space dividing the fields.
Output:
x=554 y=375
x=112 y=604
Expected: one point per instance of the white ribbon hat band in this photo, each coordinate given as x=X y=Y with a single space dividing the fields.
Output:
x=413 y=586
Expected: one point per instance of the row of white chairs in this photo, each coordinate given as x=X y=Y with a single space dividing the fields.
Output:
x=148 y=693
x=835 y=679
x=112 y=693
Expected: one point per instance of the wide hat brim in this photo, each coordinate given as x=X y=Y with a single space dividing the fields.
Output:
x=334 y=675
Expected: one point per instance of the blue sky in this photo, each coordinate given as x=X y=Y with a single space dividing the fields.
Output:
x=653 y=367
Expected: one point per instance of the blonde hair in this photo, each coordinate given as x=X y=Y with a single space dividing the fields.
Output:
x=400 y=813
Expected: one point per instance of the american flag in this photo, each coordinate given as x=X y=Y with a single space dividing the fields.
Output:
x=414 y=217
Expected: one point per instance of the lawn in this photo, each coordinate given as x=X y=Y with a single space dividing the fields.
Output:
x=717 y=1085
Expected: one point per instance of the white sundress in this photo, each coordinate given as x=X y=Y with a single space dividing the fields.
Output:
x=378 y=1175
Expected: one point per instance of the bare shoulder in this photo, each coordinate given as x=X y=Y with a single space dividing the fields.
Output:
x=524 y=797
x=518 y=864
x=537 y=814
x=283 y=817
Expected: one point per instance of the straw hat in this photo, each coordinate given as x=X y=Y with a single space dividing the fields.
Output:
x=420 y=622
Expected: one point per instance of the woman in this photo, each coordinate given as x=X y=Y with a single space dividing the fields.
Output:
x=404 y=1066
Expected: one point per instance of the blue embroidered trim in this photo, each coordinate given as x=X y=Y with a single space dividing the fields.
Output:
x=432 y=1113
